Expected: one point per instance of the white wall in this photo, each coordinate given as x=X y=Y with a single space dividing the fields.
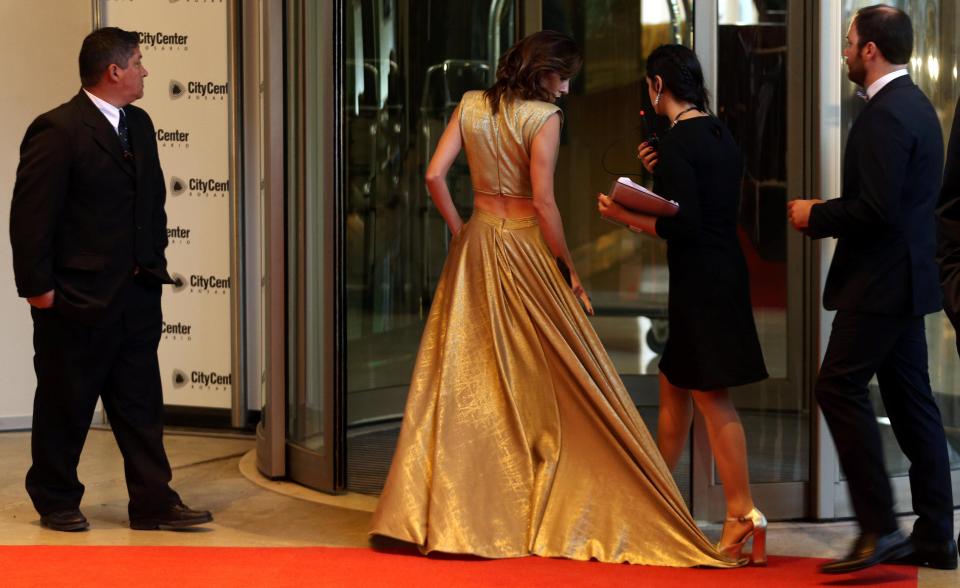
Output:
x=39 y=43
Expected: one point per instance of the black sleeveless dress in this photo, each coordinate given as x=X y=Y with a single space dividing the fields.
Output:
x=713 y=339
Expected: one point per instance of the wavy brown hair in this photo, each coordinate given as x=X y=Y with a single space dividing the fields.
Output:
x=524 y=67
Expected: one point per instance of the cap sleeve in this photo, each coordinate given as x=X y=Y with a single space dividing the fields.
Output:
x=540 y=113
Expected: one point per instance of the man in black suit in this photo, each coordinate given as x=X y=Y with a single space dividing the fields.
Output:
x=882 y=281
x=88 y=231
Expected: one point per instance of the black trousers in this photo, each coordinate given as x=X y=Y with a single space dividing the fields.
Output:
x=116 y=361
x=894 y=348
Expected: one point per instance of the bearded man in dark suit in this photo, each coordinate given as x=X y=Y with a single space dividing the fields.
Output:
x=88 y=230
x=882 y=282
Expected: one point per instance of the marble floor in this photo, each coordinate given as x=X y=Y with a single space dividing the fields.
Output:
x=218 y=473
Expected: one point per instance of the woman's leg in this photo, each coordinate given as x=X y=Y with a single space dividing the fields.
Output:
x=729 y=447
x=673 y=424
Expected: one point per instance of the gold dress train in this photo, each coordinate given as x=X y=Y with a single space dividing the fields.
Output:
x=519 y=437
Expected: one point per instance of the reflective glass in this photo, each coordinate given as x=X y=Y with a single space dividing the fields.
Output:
x=407 y=65
x=624 y=274
x=753 y=50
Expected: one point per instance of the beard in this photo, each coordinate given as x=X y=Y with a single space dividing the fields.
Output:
x=856 y=72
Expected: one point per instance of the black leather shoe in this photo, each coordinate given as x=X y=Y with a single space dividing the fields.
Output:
x=65 y=520
x=941 y=556
x=176 y=516
x=869 y=550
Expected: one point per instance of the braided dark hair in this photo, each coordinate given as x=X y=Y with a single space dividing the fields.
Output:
x=524 y=66
x=681 y=73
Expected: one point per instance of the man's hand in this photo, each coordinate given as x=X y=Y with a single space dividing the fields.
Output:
x=798 y=211
x=44 y=300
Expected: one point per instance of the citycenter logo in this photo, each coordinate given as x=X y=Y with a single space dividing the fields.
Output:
x=173 y=138
x=209 y=283
x=164 y=41
x=178 y=235
x=177 y=186
x=198 y=90
x=179 y=282
x=201 y=379
x=201 y=284
x=176 y=330
x=208 y=379
x=176 y=90
x=208 y=187
x=179 y=379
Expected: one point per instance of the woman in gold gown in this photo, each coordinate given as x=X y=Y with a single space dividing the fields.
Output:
x=518 y=436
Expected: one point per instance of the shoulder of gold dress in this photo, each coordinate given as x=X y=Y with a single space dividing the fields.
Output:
x=537 y=107
x=471 y=97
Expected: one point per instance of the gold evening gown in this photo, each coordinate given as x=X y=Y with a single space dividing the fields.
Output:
x=518 y=436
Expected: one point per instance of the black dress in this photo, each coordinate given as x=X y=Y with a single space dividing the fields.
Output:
x=713 y=340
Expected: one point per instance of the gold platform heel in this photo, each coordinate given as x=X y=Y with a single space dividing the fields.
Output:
x=758 y=532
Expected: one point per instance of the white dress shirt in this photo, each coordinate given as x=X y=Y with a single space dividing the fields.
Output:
x=878 y=85
x=109 y=110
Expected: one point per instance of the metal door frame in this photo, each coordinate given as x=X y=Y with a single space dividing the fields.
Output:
x=286 y=70
x=265 y=17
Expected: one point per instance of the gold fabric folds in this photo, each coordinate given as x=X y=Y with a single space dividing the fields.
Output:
x=519 y=437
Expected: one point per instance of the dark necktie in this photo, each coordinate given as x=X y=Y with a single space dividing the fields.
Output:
x=124 y=135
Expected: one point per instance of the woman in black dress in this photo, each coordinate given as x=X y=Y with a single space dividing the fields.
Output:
x=713 y=341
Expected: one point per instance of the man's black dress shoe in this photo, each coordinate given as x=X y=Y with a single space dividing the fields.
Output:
x=65 y=520
x=869 y=550
x=176 y=516
x=938 y=555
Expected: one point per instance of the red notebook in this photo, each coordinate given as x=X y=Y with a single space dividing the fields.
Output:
x=636 y=198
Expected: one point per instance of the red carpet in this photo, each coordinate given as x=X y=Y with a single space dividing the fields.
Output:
x=186 y=567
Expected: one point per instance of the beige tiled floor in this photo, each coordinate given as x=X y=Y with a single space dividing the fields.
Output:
x=213 y=472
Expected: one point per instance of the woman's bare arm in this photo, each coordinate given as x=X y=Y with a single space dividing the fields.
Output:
x=448 y=148
x=543 y=161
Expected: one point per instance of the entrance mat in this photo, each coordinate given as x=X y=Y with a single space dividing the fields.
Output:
x=187 y=567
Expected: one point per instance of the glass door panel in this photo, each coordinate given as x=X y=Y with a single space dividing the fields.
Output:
x=759 y=95
x=407 y=64
x=625 y=275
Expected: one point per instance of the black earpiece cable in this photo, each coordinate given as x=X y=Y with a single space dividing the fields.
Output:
x=606 y=151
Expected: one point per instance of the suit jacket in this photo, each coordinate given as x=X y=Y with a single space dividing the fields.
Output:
x=83 y=217
x=885 y=261
x=948 y=226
